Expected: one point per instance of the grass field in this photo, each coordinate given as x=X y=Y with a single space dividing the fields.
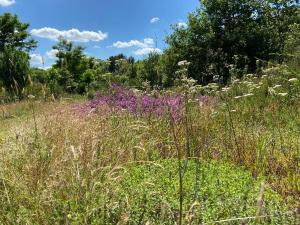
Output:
x=231 y=157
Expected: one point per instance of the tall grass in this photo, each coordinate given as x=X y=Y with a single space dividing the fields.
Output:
x=59 y=165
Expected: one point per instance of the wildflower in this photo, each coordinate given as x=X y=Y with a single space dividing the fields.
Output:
x=213 y=86
x=225 y=89
x=31 y=96
x=247 y=95
x=237 y=97
x=136 y=91
x=277 y=86
x=184 y=63
x=214 y=114
x=293 y=80
x=138 y=104
x=216 y=77
x=271 y=91
x=283 y=94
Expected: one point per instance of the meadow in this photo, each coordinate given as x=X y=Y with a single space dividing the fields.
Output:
x=190 y=154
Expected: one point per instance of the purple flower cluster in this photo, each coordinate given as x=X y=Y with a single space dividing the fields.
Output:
x=120 y=98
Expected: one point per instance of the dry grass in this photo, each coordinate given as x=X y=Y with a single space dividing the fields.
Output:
x=63 y=156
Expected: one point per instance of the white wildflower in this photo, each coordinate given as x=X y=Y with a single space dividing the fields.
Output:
x=277 y=86
x=271 y=91
x=283 y=94
x=225 y=89
x=293 y=80
x=216 y=77
x=184 y=63
x=237 y=97
x=247 y=95
x=31 y=96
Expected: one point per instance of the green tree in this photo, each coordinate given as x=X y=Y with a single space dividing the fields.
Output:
x=14 y=69
x=14 y=33
x=113 y=62
x=292 y=48
x=71 y=64
x=148 y=70
x=15 y=43
x=168 y=66
x=226 y=32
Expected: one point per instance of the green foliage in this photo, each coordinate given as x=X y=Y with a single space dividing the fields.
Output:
x=71 y=65
x=224 y=38
x=53 y=82
x=212 y=191
x=148 y=70
x=114 y=62
x=77 y=73
x=292 y=47
x=14 y=33
x=168 y=68
x=14 y=59
x=226 y=32
x=107 y=167
x=14 y=68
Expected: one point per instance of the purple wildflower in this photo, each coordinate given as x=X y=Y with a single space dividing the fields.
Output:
x=120 y=98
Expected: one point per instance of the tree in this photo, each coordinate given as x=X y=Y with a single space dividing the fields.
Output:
x=292 y=48
x=71 y=63
x=226 y=32
x=14 y=67
x=168 y=66
x=148 y=69
x=113 y=62
x=14 y=58
x=14 y=33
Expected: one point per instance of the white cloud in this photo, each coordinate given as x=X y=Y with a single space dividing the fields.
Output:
x=146 y=51
x=44 y=67
x=142 y=47
x=147 y=42
x=182 y=25
x=97 y=46
x=71 y=35
x=5 y=3
x=154 y=20
x=36 y=59
x=52 y=53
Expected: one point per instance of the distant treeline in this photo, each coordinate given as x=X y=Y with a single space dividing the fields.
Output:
x=222 y=37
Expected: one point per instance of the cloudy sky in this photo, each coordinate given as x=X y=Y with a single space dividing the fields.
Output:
x=104 y=27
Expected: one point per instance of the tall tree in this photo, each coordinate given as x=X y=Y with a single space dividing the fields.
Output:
x=225 y=32
x=15 y=43
x=71 y=63
x=14 y=33
x=148 y=69
x=113 y=65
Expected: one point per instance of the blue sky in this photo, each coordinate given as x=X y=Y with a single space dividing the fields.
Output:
x=104 y=27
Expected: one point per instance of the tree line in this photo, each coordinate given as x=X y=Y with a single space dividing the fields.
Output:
x=222 y=36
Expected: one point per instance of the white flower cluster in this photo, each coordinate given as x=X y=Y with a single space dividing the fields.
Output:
x=184 y=63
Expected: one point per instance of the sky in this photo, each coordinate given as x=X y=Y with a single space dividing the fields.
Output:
x=103 y=27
